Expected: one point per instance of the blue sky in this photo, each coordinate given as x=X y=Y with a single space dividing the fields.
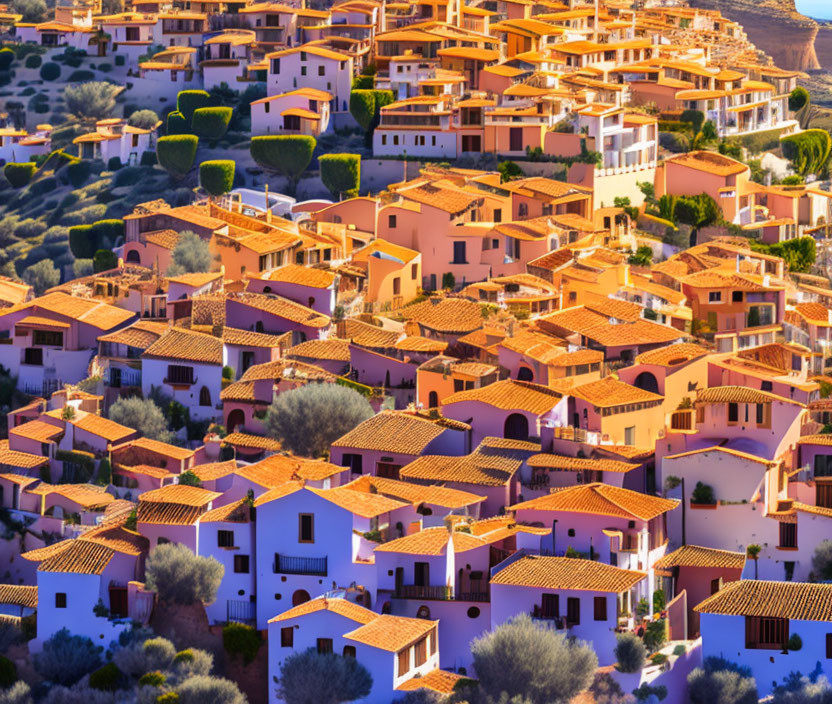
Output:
x=815 y=8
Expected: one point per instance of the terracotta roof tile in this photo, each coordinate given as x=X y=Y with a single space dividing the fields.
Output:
x=366 y=335
x=249 y=338
x=612 y=307
x=214 y=470
x=698 y=556
x=638 y=332
x=572 y=574
x=438 y=195
x=815 y=313
x=186 y=345
x=236 y=512
x=145 y=470
x=179 y=494
x=162 y=448
x=342 y=607
x=196 y=279
x=535 y=344
x=252 y=441
x=279 y=492
x=301 y=275
x=167 y=239
x=415 y=493
x=359 y=503
x=286 y=369
x=19 y=595
x=738 y=394
x=672 y=355
x=86 y=495
x=601 y=500
x=439 y=681
x=168 y=514
x=797 y=601
x=37 y=430
x=579 y=464
x=510 y=394
x=282 y=308
x=85 y=310
x=392 y=431
x=609 y=391
x=140 y=335
x=79 y=557
x=710 y=162
x=445 y=315
x=19 y=460
x=416 y=343
x=240 y=391
x=97 y=425
x=329 y=349
x=391 y=633
x=117 y=537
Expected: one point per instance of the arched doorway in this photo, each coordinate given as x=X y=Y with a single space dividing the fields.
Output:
x=525 y=374
x=301 y=596
x=433 y=400
x=647 y=382
x=516 y=427
x=133 y=257
x=235 y=418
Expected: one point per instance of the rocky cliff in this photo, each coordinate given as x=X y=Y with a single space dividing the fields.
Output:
x=776 y=28
x=823 y=46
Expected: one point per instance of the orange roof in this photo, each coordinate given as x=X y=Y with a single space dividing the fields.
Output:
x=19 y=595
x=279 y=492
x=510 y=394
x=162 y=448
x=579 y=464
x=439 y=681
x=236 y=512
x=342 y=607
x=567 y=573
x=249 y=338
x=393 y=432
x=180 y=494
x=96 y=425
x=214 y=470
x=609 y=391
x=710 y=162
x=300 y=275
x=186 y=345
x=446 y=315
x=37 y=430
x=79 y=557
x=796 y=601
x=332 y=349
x=256 y=442
x=391 y=633
x=602 y=500
x=84 y=310
x=415 y=493
x=738 y=394
x=359 y=503
x=672 y=355
x=698 y=556
x=282 y=308
x=19 y=460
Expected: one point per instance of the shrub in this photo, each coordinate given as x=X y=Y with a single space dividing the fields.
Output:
x=168 y=698
x=105 y=67
x=106 y=678
x=702 y=494
x=528 y=660
x=180 y=577
x=211 y=123
x=630 y=652
x=114 y=164
x=341 y=174
x=191 y=662
x=81 y=76
x=18 y=175
x=795 y=642
x=33 y=61
x=191 y=255
x=41 y=276
x=65 y=658
x=309 y=677
x=655 y=635
x=808 y=151
x=78 y=172
x=8 y=672
x=822 y=560
x=143 y=119
x=363 y=107
x=289 y=155
x=187 y=101
x=152 y=679
x=307 y=420
x=142 y=414
x=204 y=688
x=159 y=653
x=50 y=71
x=177 y=124
x=6 y=58
x=240 y=639
x=18 y=693
x=82 y=241
x=706 y=686
x=104 y=260
x=43 y=186
x=149 y=158
x=176 y=153
x=217 y=176
x=91 y=100
x=120 y=60
x=798 y=98
x=189 y=478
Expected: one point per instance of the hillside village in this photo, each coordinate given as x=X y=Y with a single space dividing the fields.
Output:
x=423 y=352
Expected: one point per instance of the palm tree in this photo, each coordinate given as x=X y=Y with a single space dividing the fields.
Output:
x=753 y=551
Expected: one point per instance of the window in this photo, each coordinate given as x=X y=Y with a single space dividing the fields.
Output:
x=47 y=338
x=733 y=412
x=204 y=396
x=498 y=215
x=180 y=375
x=829 y=645
x=714 y=297
x=303 y=70
x=433 y=635
x=395 y=140
x=403 y=661
x=765 y=633
x=247 y=360
x=391 y=222
x=275 y=65
x=349 y=651
x=241 y=564
x=630 y=436
x=287 y=637
x=823 y=494
x=33 y=356
x=321 y=70
x=600 y=608
x=459 y=253
x=716 y=585
x=397 y=286
x=736 y=296
x=573 y=611
x=788 y=535
x=421 y=652
x=324 y=645
x=60 y=600
x=549 y=606
x=414 y=271
x=225 y=538
x=354 y=462
x=306 y=528
x=383 y=139
x=523 y=210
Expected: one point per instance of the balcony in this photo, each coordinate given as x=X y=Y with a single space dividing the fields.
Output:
x=285 y=564
x=438 y=593
x=239 y=611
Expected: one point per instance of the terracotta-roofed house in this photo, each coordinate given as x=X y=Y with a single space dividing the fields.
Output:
x=171 y=514
x=588 y=599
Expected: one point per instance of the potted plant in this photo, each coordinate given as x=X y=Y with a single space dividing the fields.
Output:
x=703 y=496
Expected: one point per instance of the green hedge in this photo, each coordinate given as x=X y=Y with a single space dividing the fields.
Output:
x=211 y=123
x=8 y=672
x=289 y=155
x=78 y=172
x=33 y=61
x=86 y=240
x=18 y=175
x=189 y=100
x=50 y=71
x=6 y=58
x=808 y=151
x=107 y=678
x=176 y=123
x=240 y=639
x=341 y=174
x=217 y=176
x=176 y=153
x=104 y=260
x=114 y=164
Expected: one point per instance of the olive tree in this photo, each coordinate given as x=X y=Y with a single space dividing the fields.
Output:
x=307 y=420
x=310 y=677
x=721 y=682
x=141 y=414
x=191 y=255
x=41 y=276
x=180 y=577
x=94 y=100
